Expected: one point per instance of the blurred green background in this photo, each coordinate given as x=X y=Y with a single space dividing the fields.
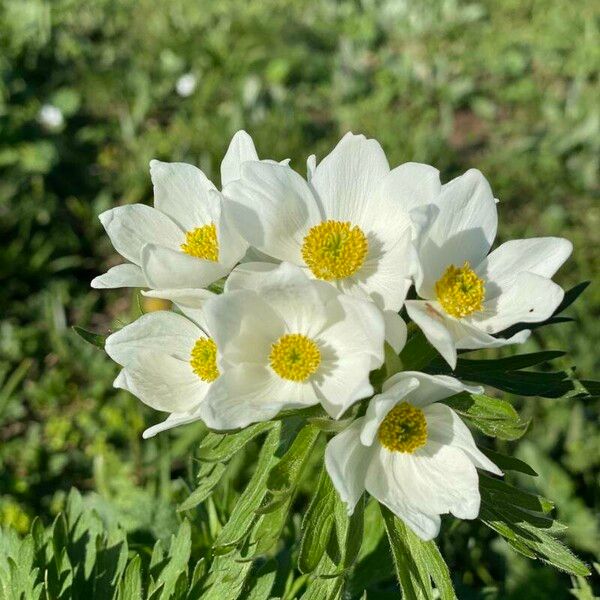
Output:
x=91 y=90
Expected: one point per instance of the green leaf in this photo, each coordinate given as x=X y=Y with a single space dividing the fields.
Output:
x=285 y=473
x=418 y=353
x=220 y=448
x=509 y=463
x=263 y=582
x=244 y=512
x=90 y=337
x=204 y=489
x=317 y=524
x=130 y=587
x=493 y=416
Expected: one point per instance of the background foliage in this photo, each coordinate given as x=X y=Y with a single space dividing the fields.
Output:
x=508 y=87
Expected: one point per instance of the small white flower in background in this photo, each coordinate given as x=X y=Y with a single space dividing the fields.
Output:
x=411 y=453
x=51 y=117
x=169 y=361
x=348 y=225
x=286 y=342
x=186 y=85
x=467 y=295
x=186 y=240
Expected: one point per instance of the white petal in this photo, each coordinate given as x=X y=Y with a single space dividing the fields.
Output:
x=162 y=382
x=343 y=382
x=311 y=165
x=130 y=227
x=243 y=326
x=386 y=486
x=540 y=256
x=531 y=299
x=431 y=388
x=385 y=277
x=395 y=330
x=175 y=420
x=125 y=275
x=412 y=185
x=346 y=461
x=252 y=393
x=434 y=325
x=444 y=426
x=241 y=149
x=360 y=331
x=381 y=404
x=232 y=246
x=273 y=208
x=162 y=331
x=165 y=268
x=299 y=301
x=181 y=192
x=189 y=301
x=346 y=179
x=463 y=230
x=469 y=337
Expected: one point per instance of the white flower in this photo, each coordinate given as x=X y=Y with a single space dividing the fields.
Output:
x=186 y=85
x=348 y=225
x=287 y=342
x=414 y=456
x=468 y=295
x=169 y=362
x=51 y=117
x=186 y=240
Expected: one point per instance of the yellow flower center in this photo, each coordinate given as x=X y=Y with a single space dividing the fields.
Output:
x=204 y=359
x=460 y=291
x=334 y=249
x=202 y=242
x=404 y=428
x=295 y=357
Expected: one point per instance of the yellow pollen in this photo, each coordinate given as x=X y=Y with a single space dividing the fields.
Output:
x=295 y=357
x=202 y=243
x=404 y=428
x=334 y=249
x=460 y=291
x=204 y=359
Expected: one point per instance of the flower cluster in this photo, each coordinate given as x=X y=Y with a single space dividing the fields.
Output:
x=313 y=274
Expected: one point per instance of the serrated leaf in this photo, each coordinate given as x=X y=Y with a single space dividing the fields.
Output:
x=204 y=488
x=244 y=513
x=227 y=445
x=95 y=339
x=317 y=524
x=130 y=587
x=493 y=416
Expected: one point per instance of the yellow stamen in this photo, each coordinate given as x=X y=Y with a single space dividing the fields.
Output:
x=404 y=429
x=460 y=291
x=334 y=249
x=204 y=359
x=295 y=357
x=202 y=242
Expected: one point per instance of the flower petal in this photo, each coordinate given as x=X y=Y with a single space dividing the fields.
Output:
x=162 y=382
x=241 y=149
x=125 y=275
x=181 y=192
x=160 y=331
x=531 y=299
x=250 y=393
x=412 y=185
x=273 y=208
x=175 y=420
x=346 y=461
x=189 y=301
x=433 y=324
x=346 y=179
x=444 y=426
x=165 y=268
x=131 y=227
x=384 y=484
x=463 y=230
x=431 y=388
x=395 y=330
x=469 y=337
x=243 y=326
